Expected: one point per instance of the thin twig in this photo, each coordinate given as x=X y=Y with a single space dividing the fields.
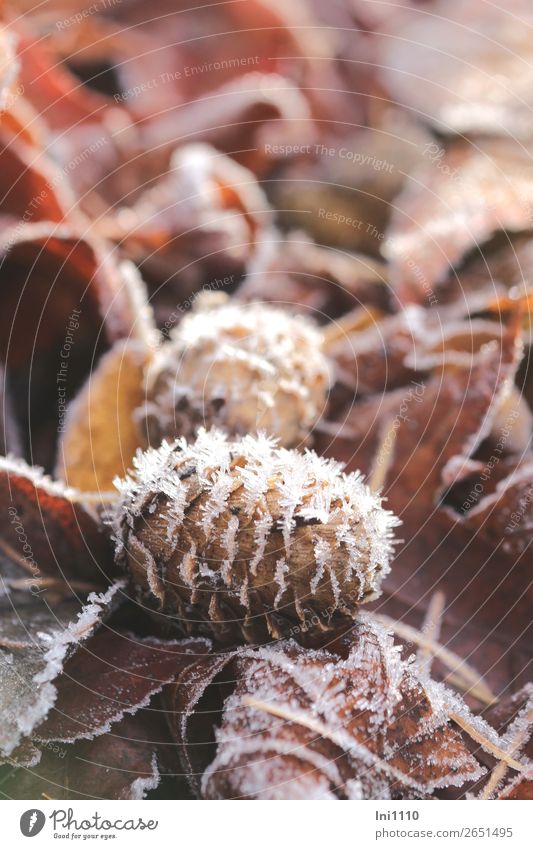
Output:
x=99 y=498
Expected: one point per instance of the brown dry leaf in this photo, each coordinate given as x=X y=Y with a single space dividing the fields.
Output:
x=32 y=187
x=183 y=61
x=47 y=271
x=358 y=431
x=386 y=368
x=291 y=270
x=505 y=516
x=101 y=434
x=197 y=225
x=421 y=442
x=22 y=122
x=431 y=448
x=173 y=26
x=502 y=270
x=382 y=356
x=451 y=207
x=59 y=98
x=120 y=765
x=89 y=134
x=113 y=674
x=233 y=117
x=353 y=721
x=454 y=413
x=65 y=300
x=196 y=61
x=61 y=526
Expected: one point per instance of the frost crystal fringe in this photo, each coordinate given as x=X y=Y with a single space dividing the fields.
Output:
x=250 y=538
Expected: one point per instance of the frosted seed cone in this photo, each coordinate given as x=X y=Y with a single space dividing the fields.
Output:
x=247 y=540
x=244 y=368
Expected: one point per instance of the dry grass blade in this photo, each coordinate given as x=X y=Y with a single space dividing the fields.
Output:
x=431 y=630
x=323 y=731
x=488 y=745
x=499 y=771
x=57 y=584
x=383 y=456
x=357 y=319
x=461 y=674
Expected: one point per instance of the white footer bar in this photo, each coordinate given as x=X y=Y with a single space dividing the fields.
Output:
x=268 y=825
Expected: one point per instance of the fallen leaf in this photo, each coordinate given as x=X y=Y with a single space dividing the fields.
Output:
x=353 y=721
x=110 y=676
x=119 y=765
x=52 y=529
x=452 y=207
x=101 y=434
x=35 y=641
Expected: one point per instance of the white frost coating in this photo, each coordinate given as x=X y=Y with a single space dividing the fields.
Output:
x=142 y=786
x=106 y=727
x=78 y=631
x=60 y=645
x=135 y=288
x=294 y=480
x=322 y=556
x=220 y=491
x=15 y=466
x=263 y=526
x=521 y=725
x=279 y=577
x=187 y=567
x=229 y=542
x=9 y=67
x=254 y=782
x=255 y=477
